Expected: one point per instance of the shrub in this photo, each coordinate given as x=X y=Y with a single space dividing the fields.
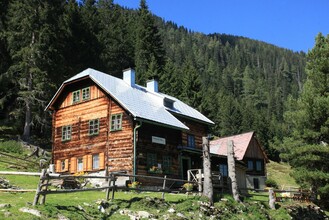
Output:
x=11 y=147
x=271 y=183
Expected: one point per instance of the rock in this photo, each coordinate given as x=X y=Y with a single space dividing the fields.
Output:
x=7 y=214
x=181 y=215
x=171 y=210
x=80 y=208
x=31 y=211
x=62 y=217
x=144 y=214
x=101 y=209
x=86 y=204
x=5 y=205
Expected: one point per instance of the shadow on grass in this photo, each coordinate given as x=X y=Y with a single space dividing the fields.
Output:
x=81 y=212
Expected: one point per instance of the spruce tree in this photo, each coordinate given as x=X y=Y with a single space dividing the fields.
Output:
x=148 y=45
x=309 y=121
x=31 y=35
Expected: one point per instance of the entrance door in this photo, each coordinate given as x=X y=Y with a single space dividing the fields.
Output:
x=186 y=165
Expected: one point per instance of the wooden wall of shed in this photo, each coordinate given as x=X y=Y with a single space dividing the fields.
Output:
x=254 y=150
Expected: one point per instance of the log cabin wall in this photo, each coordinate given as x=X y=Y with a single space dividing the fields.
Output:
x=197 y=129
x=255 y=154
x=116 y=146
x=151 y=155
x=121 y=142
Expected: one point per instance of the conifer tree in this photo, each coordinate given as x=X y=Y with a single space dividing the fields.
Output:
x=31 y=35
x=308 y=149
x=148 y=45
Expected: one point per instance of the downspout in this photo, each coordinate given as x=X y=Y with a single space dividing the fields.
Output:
x=135 y=129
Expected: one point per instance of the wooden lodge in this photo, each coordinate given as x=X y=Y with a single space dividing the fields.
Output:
x=103 y=123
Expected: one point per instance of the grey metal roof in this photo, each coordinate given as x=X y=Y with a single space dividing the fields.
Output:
x=140 y=102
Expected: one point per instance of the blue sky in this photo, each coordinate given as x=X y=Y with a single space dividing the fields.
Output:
x=291 y=24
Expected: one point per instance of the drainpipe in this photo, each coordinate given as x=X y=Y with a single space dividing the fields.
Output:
x=135 y=129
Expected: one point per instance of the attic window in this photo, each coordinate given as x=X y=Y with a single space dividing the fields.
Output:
x=86 y=93
x=168 y=103
x=76 y=96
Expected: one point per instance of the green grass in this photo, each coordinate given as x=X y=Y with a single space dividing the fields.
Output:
x=280 y=172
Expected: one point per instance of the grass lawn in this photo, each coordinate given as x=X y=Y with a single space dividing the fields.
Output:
x=280 y=172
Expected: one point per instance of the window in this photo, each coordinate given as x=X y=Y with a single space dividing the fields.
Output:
x=80 y=164
x=66 y=133
x=152 y=160
x=94 y=127
x=76 y=96
x=259 y=166
x=168 y=103
x=223 y=170
x=250 y=165
x=166 y=164
x=95 y=161
x=190 y=141
x=63 y=165
x=86 y=93
x=116 y=122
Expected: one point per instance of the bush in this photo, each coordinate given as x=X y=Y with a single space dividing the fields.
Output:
x=271 y=183
x=11 y=147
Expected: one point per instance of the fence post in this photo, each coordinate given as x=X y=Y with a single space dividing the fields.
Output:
x=113 y=187
x=37 y=193
x=271 y=198
x=200 y=182
x=43 y=199
x=164 y=186
x=108 y=189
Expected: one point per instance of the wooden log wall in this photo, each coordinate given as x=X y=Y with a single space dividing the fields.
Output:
x=197 y=129
x=121 y=142
x=145 y=146
x=100 y=106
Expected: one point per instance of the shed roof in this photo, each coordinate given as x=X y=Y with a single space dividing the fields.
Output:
x=240 y=141
x=140 y=102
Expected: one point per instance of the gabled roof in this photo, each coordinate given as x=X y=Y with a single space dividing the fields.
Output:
x=240 y=141
x=140 y=102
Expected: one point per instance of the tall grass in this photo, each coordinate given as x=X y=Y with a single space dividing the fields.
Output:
x=11 y=147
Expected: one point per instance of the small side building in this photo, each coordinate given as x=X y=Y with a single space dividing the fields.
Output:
x=248 y=150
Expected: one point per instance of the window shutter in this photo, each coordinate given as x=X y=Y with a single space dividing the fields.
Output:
x=66 y=165
x=58 y=166
x=101 y=161
x=85 y=162
x=73 y=165
x=90 y=162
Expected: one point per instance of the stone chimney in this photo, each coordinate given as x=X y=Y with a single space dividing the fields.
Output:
x=129 y=76
x=152 y=85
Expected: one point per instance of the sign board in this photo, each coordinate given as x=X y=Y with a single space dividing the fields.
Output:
x=158 y=140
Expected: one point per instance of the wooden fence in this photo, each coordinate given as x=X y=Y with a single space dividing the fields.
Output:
x=45 y=178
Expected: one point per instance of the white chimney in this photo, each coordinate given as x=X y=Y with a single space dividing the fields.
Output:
x=152 y=85
x=129 y=76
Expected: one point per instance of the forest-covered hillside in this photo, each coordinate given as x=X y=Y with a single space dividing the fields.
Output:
x=239 y=83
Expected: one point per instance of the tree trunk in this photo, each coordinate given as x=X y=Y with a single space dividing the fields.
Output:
x=207 y=183
x=231 y=170
x=28 y=114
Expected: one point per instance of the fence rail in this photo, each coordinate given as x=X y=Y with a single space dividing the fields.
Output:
x=42 y=188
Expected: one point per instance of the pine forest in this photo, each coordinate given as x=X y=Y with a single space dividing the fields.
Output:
x=239 y=83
